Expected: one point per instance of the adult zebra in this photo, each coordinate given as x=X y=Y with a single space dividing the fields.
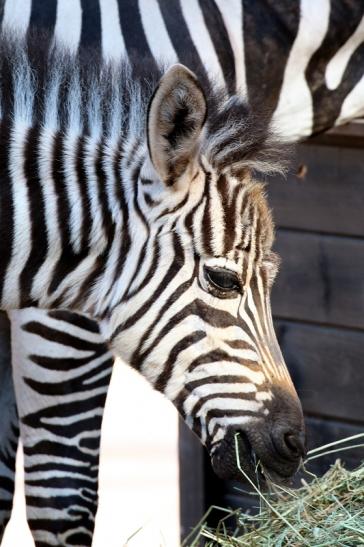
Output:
x=331 y=92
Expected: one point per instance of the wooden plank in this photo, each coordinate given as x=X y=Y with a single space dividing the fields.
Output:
x=321 y=432
x=321 y=279
x=330 y=196
x=348 y=135
x=191 y=479
x=326 y=365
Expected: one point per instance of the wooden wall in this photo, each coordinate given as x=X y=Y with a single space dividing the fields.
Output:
x=317 y=301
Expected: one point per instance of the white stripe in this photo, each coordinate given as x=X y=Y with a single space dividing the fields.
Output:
x=75 y=418
x=229 y=421
x=231 y=369
x=217 y=222
x=336 y=67
x=68 y=23
x=201 y=38
x=97 y=237
x=293 y=116
x=211 y=389
x=232 y=14
x=222 y=403
x=156 y=33
x=73 y=190
x=113 y=45
x=17 y=14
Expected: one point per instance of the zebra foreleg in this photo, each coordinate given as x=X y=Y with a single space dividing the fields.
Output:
x=61 y=371
x=9 y=431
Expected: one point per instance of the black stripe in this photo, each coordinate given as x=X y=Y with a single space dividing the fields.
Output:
x=207 y=233
x=6 y=205
x=60 y=337
x=155 y=249
x=191 y=215
x=131 y=25
x=58 y=482
x=269 y=30
x=220 y=38
x=139 y=356
x=68 y=260
x=2 y=6
x=76 y=319
x=109 y=229
x=38 y=232
x=125 y=236
x=91 y=24
x=61 y=527
x=79 y=384
x=67 y=467
x=63 y=213
x=181 y=38
x=241 y=396
x=180 y=346
x=41 y=418
x=221 y=379
x=64 y=364
x=51 y=448
x=43 y=15
x=81 y=179
x=218 y=355
x=101 y=188
x=171 y=273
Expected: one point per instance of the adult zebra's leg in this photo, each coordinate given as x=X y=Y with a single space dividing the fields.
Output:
x=62 y=371
x=9 y=430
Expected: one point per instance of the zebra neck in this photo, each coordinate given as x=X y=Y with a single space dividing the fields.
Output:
x=63 y=218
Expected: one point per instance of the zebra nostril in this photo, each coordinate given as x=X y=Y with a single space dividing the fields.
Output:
x=295 y=443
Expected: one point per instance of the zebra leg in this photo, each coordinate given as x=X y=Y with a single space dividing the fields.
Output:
x=62 y=371
x=9 y=430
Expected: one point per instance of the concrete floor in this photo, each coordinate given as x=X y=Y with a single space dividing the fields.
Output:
x=139 y=471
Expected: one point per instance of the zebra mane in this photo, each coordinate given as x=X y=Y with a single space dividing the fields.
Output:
x=42 y=83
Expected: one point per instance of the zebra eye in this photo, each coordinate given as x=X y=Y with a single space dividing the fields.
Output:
x=221 y=279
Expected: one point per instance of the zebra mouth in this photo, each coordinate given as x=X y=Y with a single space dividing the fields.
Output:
x=234 y=458
x=255 y=470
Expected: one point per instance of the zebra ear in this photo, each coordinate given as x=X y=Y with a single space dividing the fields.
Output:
x=176 y=115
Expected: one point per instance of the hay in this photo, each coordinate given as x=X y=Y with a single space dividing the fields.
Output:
x=328 y=511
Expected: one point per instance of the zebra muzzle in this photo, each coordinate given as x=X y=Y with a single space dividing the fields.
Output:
x=270 y=447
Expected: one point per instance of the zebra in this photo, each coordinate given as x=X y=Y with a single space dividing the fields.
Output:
x=309 y=55
x=112 y=180
x=223 y=28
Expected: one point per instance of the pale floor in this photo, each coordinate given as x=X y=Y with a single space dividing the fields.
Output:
x=139 y=471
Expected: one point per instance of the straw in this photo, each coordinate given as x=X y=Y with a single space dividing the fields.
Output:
x=328 y=511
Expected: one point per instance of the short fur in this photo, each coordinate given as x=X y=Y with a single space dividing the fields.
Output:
x=83 y=94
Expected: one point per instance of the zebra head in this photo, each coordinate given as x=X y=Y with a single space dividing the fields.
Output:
x=195 y=315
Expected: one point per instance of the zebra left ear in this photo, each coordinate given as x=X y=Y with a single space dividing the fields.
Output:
x=176 y=115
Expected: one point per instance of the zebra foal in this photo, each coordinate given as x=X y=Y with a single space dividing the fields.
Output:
x=129 y=196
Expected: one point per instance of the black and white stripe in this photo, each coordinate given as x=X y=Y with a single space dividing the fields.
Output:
x=119 y=198
x=210 y=32
x=61 y=391
x=310 y=74
x=9 y=428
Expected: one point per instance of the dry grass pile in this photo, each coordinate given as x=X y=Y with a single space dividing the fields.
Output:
x=327 y=511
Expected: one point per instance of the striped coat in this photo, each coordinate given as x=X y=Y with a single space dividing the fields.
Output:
x=305 y=85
